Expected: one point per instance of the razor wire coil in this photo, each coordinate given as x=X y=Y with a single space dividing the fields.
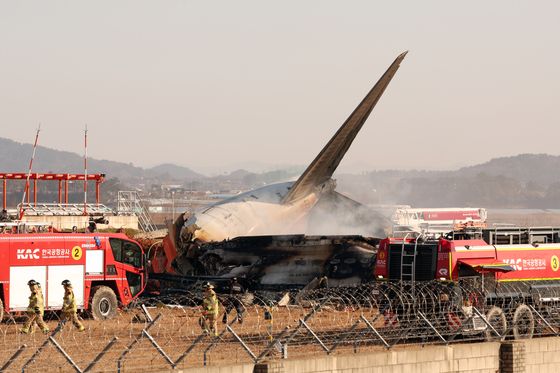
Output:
x=164 y=332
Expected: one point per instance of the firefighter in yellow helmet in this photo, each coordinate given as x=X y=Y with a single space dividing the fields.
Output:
x=35 y=309
x=69 y=307
x=210 y=308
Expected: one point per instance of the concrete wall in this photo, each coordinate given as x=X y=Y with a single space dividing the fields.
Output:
x=542 y=355
x=242 y=368
x=539 y=355
x=467 y=358
x=464 y=358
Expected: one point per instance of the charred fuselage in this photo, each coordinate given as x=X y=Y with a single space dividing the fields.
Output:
x=288 y=207
x=227 y=239
x=287 y=260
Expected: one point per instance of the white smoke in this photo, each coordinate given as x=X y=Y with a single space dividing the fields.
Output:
x=336 y=214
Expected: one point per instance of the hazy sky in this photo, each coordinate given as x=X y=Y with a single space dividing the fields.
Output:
x=217 y=84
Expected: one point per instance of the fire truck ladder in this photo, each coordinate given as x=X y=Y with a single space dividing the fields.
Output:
x=408 y=265
x=130 y=203
x=407 y=260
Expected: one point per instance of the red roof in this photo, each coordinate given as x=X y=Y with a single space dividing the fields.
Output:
x=47 y=176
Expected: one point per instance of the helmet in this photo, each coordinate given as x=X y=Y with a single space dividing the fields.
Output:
x=32 y=282
x=66 y=283
x=207 y=286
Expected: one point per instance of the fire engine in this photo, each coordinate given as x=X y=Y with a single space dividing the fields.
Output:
x=434 y=219
x=105 y=269
x=513 y=272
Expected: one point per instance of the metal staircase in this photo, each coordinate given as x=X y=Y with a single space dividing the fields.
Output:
x=408 y=257
x=409 y=253
x=130 y=203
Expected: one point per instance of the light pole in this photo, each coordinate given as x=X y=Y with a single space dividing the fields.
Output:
x=173 y=205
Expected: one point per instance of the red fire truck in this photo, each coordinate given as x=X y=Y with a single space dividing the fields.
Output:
x=509 y=254
x=435 y=219
x=513 y=272
x=105 y=269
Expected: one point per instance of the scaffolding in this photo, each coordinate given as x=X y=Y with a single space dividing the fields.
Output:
x=63 y=181
x=130 y=203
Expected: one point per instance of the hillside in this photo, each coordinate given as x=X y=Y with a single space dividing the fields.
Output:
x=537 y=168
x=171 y=171
x=523 y=181
x=15 y=158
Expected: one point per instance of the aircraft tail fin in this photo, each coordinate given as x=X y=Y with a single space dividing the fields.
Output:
x=324 y=165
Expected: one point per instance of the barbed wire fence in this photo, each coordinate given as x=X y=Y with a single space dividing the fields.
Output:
x=165 y=332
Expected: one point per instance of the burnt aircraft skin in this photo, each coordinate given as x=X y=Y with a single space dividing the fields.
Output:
x=252 y=235
x=289 y=260
x=284 y=208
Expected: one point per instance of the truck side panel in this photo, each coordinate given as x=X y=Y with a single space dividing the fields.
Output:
x=57 y=274
x=19 y=291
x=530 y=263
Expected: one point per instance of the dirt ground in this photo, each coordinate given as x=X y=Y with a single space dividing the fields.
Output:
x=175 y=332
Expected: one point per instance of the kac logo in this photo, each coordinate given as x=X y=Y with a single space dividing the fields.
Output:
x=27 y=253
x=516 y=264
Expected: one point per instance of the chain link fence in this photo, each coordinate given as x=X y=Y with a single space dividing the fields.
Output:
x=162 y=333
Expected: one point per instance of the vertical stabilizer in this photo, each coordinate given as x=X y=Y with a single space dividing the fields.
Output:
x=324 y=165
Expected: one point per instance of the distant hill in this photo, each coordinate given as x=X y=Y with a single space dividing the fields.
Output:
x=15 y=158
x=538 y=168
x=122 y=176
x=170 y=171
x=523 y=181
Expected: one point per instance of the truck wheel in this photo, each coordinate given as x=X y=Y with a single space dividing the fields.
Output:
x=497 y=319
x=1 y=310
x=103 y=303
x=523 y=322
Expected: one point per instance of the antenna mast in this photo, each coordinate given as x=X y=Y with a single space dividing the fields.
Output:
x=85 y=170
x=25 y=190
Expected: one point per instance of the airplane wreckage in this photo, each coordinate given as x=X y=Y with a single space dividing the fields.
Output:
x=286 y=234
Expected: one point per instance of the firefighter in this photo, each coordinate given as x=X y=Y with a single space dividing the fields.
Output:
x=210 y=308
x=235 y=291
x=270 y=320
x=4 y=215
x=69 y=307
x=35 y=309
